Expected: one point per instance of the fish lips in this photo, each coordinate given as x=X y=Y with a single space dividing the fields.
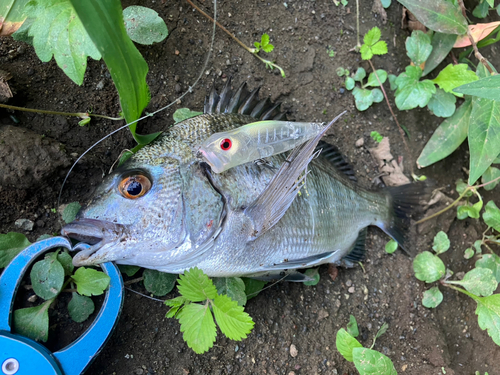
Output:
x=93 y=232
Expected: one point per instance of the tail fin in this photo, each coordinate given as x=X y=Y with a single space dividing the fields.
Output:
x=406 y=201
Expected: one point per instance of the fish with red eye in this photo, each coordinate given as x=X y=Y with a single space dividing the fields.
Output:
x=133 y=187
x=226 y=144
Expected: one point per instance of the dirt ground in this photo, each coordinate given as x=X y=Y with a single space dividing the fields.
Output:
x=446 y=340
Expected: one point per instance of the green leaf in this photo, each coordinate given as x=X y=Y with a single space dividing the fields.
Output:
x=67 y=262
x=484 y=136
x=90 y=282
x=453 y=76
x=232 y=320
x=366 y=52
x=372 y=36
x=488 y=311
x=392 y=81
x=158 y=283
x=491 y=174
x=312 y=272
x=252 y=287
x=364 y=98
x=377 y=95
x=442 y=104
x=346 y=343
x=103 y=21
x=371 y=362
x=441 y=44
x=491 y=215
x=47 y=277
x=418 y=47
x=198 y=327
x=341 y=72
x=481 y=10
x=479 y=281
x=184 y=113
x=22 y=34
x=391 y=247
x=411 y=92
x=379 y=48
x=175 y=304
x=438 y=15
x=376 y=136
x=80 y=307
x=382 y=330
x=359 y=75
x=196 y=286
x=386 y=3
x=492 y=262
x=128 y=270
x=143 y=25
x=11 y=244
x=349 y=83
x=432 y=297
x=69 y=213
x=33 y=322
x=468 y=253
x=264 y=39
x=488 y=88
x=428 y=267
x=461 y=186
x=372 y=79
x=477 y=246
x=268 y=48
x=441 y=242
x=468 y=211
x=12 y=14
x=233 y=287
x=352 y=326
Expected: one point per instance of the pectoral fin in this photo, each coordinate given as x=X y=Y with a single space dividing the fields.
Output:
x=274 y=201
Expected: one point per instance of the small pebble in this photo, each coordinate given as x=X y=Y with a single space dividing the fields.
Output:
x=293 y=351
x=32 y=298
x=351 y=290
x=348 y=283
x=24 y=224
x=177 y=88
x=360 y=142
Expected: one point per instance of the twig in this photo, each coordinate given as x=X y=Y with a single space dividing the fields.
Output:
x=358 y=46
x=478 y=55
x=75 y=114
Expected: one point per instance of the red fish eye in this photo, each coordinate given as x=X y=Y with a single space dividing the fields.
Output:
x=226 y=144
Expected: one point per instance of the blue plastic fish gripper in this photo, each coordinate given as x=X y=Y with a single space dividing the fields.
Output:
x=22 y=356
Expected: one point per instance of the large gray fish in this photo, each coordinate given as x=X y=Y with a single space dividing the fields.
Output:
x=165 y=209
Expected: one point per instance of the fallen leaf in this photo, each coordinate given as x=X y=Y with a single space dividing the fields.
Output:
x=410 y=22
x=5 y=92
x=333 y=271
x=391 y=169
x=479 y=32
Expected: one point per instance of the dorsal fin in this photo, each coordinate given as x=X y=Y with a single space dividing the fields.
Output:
x=333 y=155
x=242 y=101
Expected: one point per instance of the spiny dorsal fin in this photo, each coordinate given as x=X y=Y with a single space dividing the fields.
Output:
x=333 y=155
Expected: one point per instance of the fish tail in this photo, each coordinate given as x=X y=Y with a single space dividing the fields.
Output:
x=404 y=203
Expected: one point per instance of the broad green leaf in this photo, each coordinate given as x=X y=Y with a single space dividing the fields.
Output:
x=483 y=72
x=411 y=92
x=479 y=281
x=477 y=246
x=233 y=287
x=442 y=103
x=438 y=15
x=363 y=98
x=386 y=3
x=428 y=267
x=346 y=343
x=90 y=282
x=491 y=174
x=463 y=212
x=491 y=215
x=488 y=311
x=67 y=262
x=481 y=10
x=366 y=52
x=196 y=286
x=33 y=322
x=484 y=136
x=198 y=326
x=349 y=83
x=264 y=39
x=377 y=138
x=441 y=242
x=128 y=270
x=143 y=25
x=391 y=246
x=371 y=362
x=492 y=262
x=379 y=48
x=372 y=36
x=252 y=287
x=373 y=81
x=175 y=304
x=57 y=31
x=352 y=326
x=11 y=244
x=103 y=21
x=468 y=253
x=461 y=186
x=312 y=272
x=488 y=88
x=69 y=213
x=22 y=34
x=441 y=47
x=359 y=75
x=80 y=307
x=432 y=297
x=158 y=283
x=377 y=95
x=231 y=319
x=453 y=76
x=47 y=277
x=392 y=81
x=184 y=113
x=12 y=15
x=418 y=47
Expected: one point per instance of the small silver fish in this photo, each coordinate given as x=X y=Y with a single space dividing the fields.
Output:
x=165 y=209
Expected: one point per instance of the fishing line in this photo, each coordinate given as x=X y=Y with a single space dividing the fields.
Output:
x=190 y=90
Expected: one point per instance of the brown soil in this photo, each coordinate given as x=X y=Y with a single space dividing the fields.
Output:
x=419 y=341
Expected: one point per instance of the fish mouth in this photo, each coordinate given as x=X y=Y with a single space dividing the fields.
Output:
x=96 y=233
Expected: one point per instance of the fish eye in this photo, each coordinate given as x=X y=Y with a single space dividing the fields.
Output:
x=226 y=144
x=133 y=187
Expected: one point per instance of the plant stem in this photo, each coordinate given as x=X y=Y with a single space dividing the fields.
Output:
x=357 y=24
x=75 y=114
x=444 y=209
x=447 y=284
x=478 y=55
